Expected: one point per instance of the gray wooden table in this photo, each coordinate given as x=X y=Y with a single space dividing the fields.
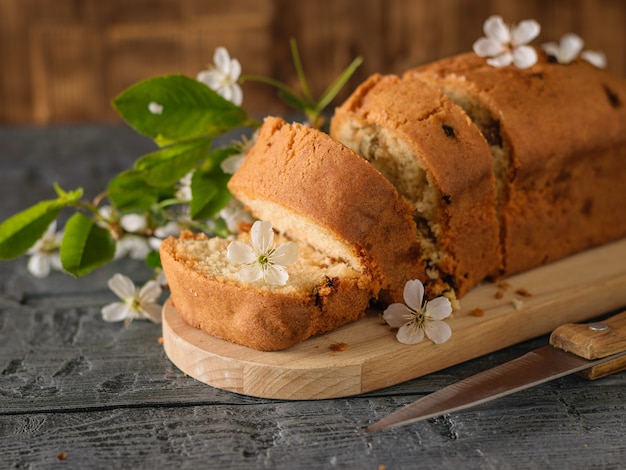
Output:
x=76 y=392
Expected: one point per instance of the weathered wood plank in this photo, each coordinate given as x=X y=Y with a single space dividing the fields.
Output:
x=549 y=424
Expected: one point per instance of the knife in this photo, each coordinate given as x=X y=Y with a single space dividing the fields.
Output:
x=593 y=350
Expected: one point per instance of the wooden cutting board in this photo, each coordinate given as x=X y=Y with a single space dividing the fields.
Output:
x=365 y=355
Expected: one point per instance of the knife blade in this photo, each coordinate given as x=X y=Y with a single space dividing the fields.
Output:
x=594 y=350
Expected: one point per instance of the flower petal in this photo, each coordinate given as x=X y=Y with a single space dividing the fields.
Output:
x=262 y=236
x=495 y=28
x=524 y=57
x=414 y=294
x=437 y=331
x=211 y=78
x=501 y=60
x=231 y=164
x=221 y=59
x=171 y=229
x=235 y=70
x=409 y=334
x=149 y=293
x=237 y=95
x=276 y=275
x=155 y=108
x=50 y=231
x=240 y=253
x=438 y=308
x=234 y=214
x=122 y=286
x=596 y=58
x=134 y=222
x=250 y=273
x=135 y=246
x=116 y=311
x=486 y=47
x=225 y=91
x=39 y=265
x=152 y=312
x=552 y=49
x=55 y=262
x=396 y=315
x=571 y=45
x=285 y=254
x=525 y=32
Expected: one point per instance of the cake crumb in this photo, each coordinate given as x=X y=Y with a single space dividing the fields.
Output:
x=499 y=294
x=338 y=347
x=518 y=304
x=523 y=293
x=61 y=456
x=477 y=312
x=160 y=340
x=503 y=285
x=382 y=467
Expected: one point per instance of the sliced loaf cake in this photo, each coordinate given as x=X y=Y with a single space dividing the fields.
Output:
x=558 y=138
x=436 y=157
x=318 y=192
x=321 y=295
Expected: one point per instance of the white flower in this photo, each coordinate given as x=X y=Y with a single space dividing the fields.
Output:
x=133 y=246
x=155 y=108
x=171 y=229
x=44 y=255
x=567 y=50
x=183 y=192
x=234 y=215
x=136 y=303
x=262 y=260
x=134 y=223
x=231 y=164
x=595 y=58
x=418 y=317
x=223 y=75
x=505 y=46
x=570 y=47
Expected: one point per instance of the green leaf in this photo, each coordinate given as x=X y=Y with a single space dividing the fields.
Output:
x=295 y=55
x=210 y=193
x=129 y=191
x=67 y=198
x=21 y=231
x=85 y=246
x=338 y=84
x=190 y=109
x=167 y=166
x=293 y=100
x=217 y=156
x=153 y=260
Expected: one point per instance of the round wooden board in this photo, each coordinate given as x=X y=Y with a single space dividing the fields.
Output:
x=572 y=290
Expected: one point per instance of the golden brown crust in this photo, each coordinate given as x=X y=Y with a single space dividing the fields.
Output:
x=563 y=127
x=443 y=140
x=306 y=172
x=262 y=319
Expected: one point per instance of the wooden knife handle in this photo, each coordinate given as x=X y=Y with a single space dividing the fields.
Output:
x=594 y=341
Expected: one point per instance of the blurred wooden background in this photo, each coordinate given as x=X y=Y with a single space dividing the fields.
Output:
x=64 y=60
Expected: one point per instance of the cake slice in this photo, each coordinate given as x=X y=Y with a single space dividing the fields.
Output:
x=435 y=156
x=319 y=193
x=558 y=139
x=322 y=294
